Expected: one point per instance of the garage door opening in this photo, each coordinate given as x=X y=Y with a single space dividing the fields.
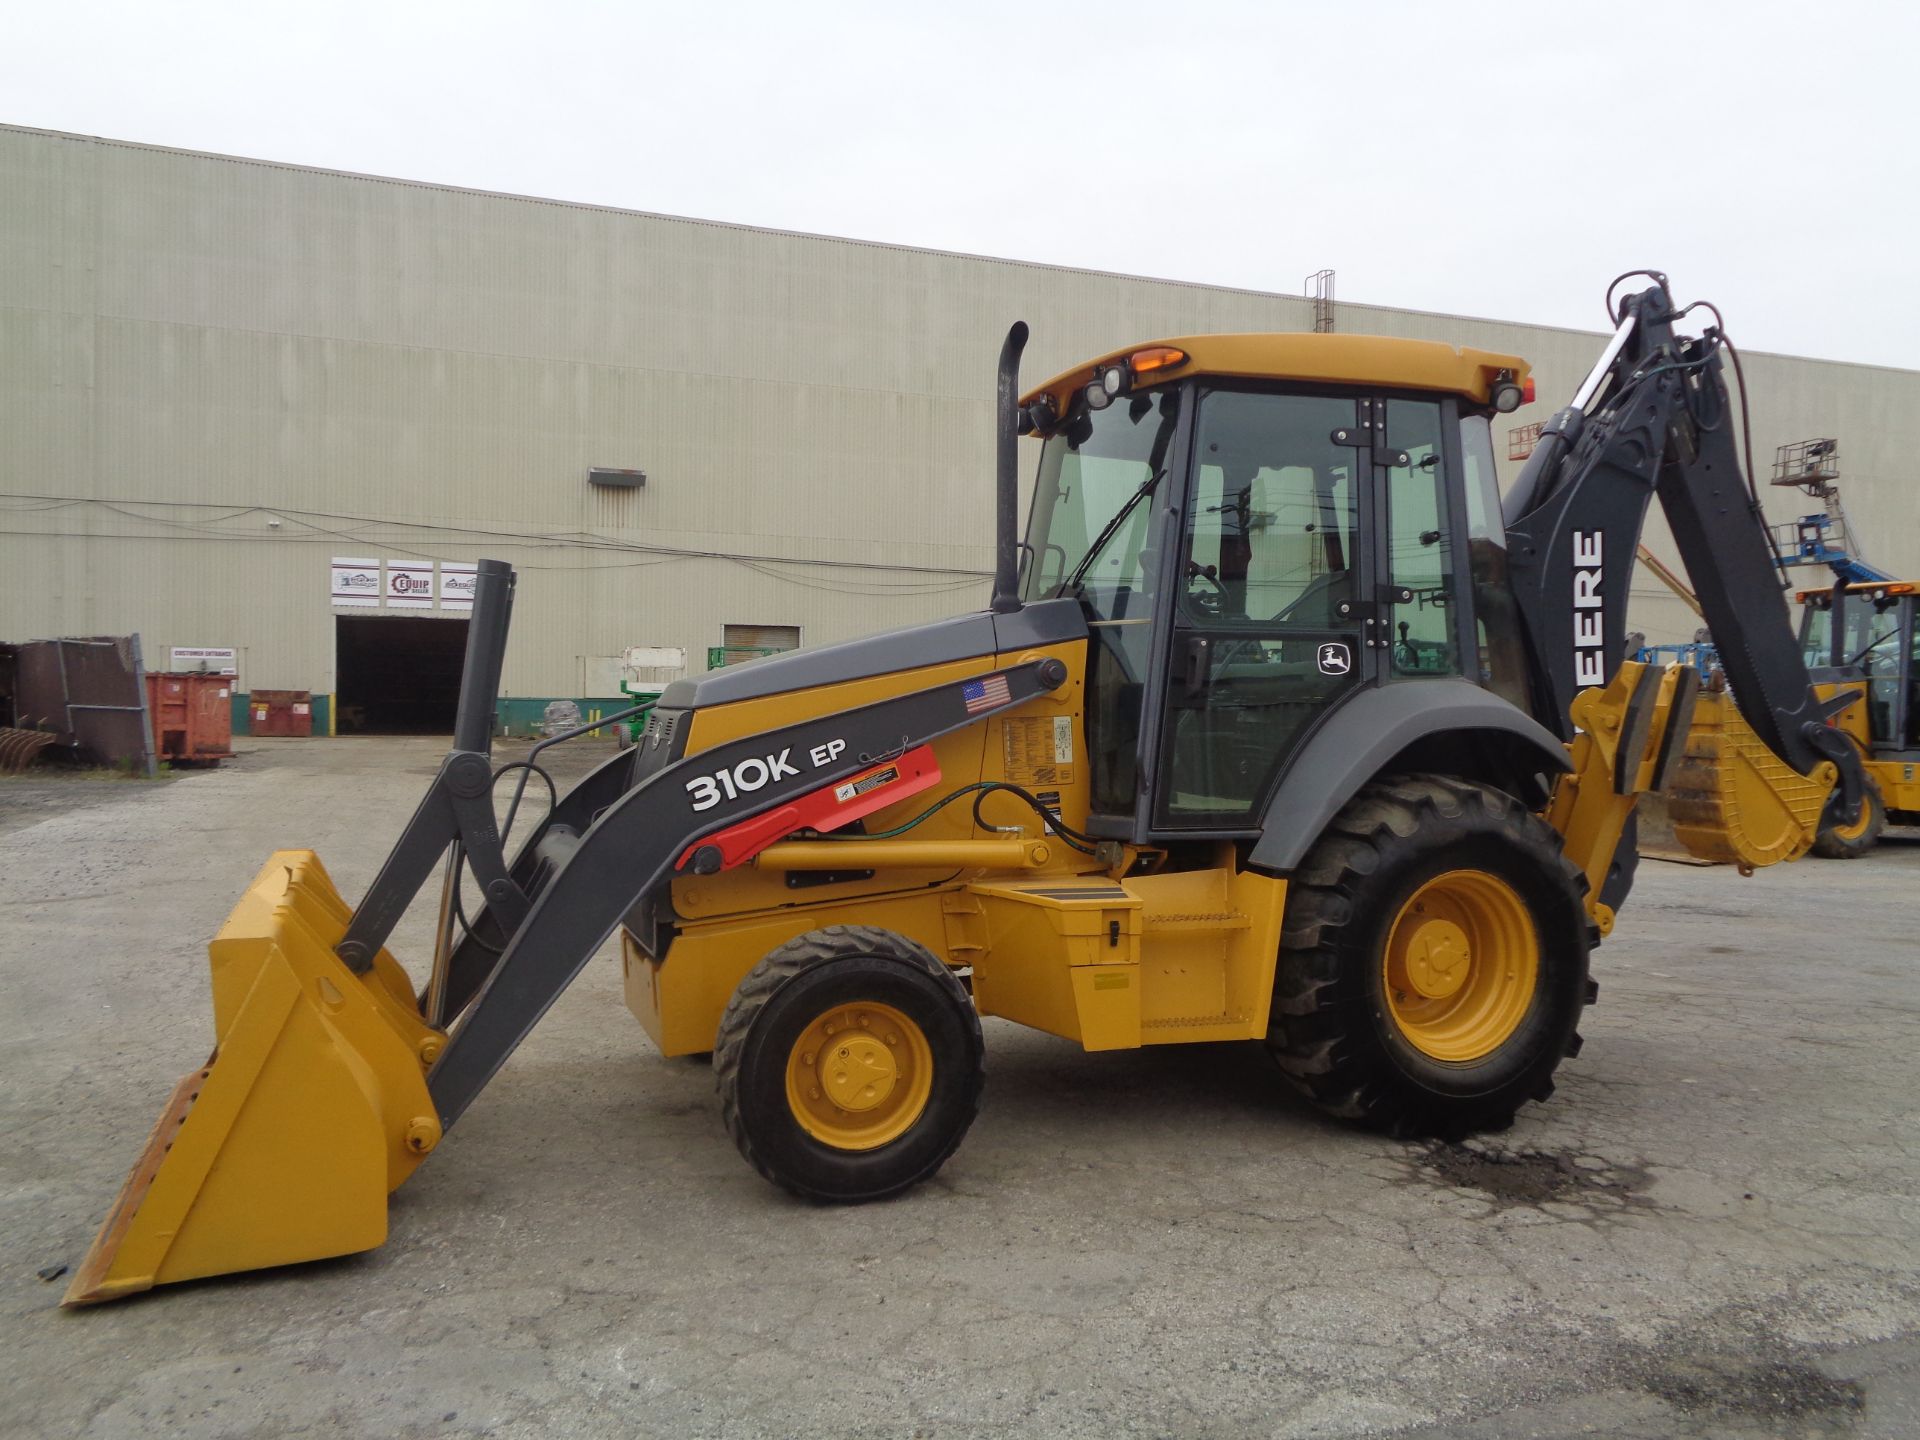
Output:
x=397 y=675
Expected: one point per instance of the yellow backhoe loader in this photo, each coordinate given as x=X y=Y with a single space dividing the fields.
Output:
x=1861 y=640
x=1277 y=730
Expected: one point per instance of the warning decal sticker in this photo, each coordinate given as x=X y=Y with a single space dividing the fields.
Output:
x=1039 y=750
x=853 y=789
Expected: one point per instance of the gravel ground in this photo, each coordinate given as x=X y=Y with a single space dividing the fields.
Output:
x=1713 y=1229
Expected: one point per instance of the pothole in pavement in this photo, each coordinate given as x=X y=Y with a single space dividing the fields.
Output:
x=1513 y=1179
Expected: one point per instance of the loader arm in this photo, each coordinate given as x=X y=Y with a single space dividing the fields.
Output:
x=1654 y=418
x=654 y=829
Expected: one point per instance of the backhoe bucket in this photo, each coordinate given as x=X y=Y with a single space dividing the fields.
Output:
x=1733 y=801
x=312 y=1109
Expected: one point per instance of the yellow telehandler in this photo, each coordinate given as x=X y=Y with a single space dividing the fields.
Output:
x=1277 y=730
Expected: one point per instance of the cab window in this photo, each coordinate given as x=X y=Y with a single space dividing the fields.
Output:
x=1420 y=543
x=1272 y=513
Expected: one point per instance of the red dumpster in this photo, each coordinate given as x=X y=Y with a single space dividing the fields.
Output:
x=192 y=717
x=280 y=712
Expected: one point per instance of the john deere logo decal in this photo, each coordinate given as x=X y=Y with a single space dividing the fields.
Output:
x=1335 y=658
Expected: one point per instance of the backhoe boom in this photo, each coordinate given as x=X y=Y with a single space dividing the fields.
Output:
x=1655 y=418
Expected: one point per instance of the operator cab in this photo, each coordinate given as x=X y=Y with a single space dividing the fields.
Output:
x=1256 y=528
x=1869 y=631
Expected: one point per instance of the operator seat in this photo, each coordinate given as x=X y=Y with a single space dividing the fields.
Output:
x=1319 y=603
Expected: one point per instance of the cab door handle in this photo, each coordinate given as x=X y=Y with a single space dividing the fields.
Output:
x=1195 y=670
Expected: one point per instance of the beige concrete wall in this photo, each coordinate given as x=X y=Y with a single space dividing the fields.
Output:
x=193 y=347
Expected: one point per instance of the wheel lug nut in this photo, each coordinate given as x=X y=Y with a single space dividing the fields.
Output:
x=807 y=1059
x=814 y=1093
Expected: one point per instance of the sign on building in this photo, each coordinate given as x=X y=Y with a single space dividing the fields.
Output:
x=210 y=659
x=652 y=664
x=355 y=582
x=410 y=584
x=457 y=581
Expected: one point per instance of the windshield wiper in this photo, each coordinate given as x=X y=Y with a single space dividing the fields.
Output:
x=1072 y=584
x=1861 y=653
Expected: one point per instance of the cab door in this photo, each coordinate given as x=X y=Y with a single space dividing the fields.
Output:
x=1427 y=628
x=1273 y=601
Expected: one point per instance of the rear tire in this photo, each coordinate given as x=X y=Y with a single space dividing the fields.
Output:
x=1433 y=961
x=849 y=1064
x=1837 y=842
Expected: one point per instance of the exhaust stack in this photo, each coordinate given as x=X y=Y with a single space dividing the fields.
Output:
x=1006 y=480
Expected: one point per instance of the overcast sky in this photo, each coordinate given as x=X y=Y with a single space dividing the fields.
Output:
x=1483 y=159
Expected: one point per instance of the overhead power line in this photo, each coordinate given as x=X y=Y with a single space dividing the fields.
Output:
x=938 y=579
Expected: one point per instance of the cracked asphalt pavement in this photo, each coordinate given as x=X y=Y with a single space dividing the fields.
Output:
x=1713 y=1229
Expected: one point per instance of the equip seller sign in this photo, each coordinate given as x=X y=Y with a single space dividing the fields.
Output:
x=401 y=584
x=355 y=582
x=456 y=586
x=410 y=584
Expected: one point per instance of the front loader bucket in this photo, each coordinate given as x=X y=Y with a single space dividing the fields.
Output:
x=312 y=1109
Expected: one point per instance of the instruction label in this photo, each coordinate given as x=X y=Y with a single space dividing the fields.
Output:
x=1039 y=749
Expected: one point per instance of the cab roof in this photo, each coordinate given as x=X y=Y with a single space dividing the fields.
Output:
x=1382 y=360
x=1879 y=589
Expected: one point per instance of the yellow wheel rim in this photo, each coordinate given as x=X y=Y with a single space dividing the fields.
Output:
x=1461 y=965
x=1860 y=826
x=859 y=1076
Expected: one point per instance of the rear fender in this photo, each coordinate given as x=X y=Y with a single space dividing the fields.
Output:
x=1446 y=725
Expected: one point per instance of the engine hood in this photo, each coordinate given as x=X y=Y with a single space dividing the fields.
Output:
x=1047 y=622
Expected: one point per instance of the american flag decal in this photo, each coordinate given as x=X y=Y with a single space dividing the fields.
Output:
x=985 y=694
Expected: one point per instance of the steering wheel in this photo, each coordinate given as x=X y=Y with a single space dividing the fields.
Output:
x=1212 y=606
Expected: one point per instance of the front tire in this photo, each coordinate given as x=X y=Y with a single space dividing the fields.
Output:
x=849 y=1064
x=1433 y=961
